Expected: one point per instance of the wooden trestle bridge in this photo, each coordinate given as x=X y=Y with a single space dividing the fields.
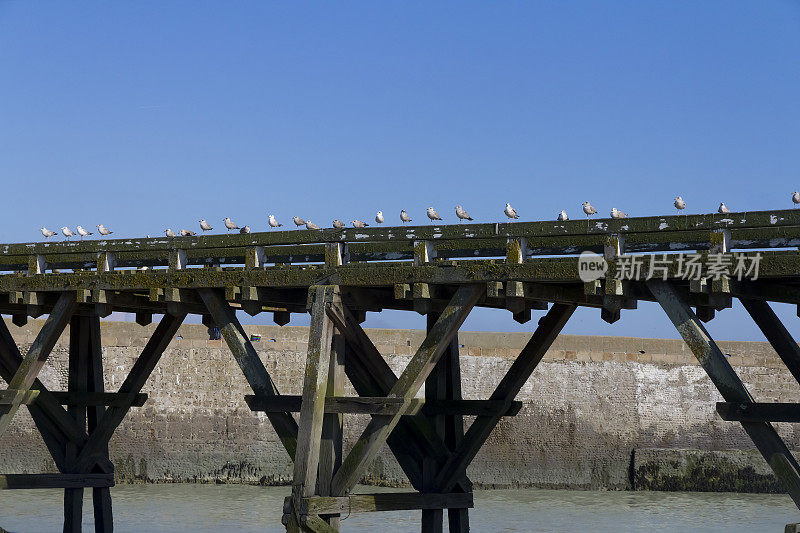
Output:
x=337 y=276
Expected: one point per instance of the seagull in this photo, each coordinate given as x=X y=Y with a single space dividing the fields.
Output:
x=187 y=233
x=245 y=229
x=679 y=204
x=299 y=222
x=47 y=233
x=562 y=216
x=311 y=225
x=205 y=226
x=616 y=213
x=796 y=197
x=338 y=224
x=404 y=216
x=433 y=215
x=229 y=224
x=169 y=233
x=83 y=233
x=67 y=232
x=510 y=212
x=273 y=222
x=103 y=230
x=359 y=224
x=461 y=214
x=723 y=208
x=379 y=217
x=589 y=210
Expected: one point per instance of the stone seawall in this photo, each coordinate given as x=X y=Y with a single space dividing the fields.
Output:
x=599 y=412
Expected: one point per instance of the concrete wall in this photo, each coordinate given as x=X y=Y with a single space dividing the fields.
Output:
x=599 y=412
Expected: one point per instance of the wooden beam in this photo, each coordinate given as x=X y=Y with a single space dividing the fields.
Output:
x=250 y=364
x=94 y=399
x=77 y=381
x=521 y=369
x=391 y=501
x=20 y=397
x=775 y=332
x=101 y=496
x=331 y=450
x=54 y=481
x=759 y=412
x=728 y=383
x=407 y=386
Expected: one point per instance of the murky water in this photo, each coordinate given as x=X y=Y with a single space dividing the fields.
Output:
x=207 y=508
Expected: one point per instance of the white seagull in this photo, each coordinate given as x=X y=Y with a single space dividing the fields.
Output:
x=433 y=215
x=245 y=229
x=379 y=217
x=562 y=216
x=169 y=233
x=311 y=225
x=588 y=209
x=187 y=233
x=47 y=233
x=103 y=230
x=359 y=224
x=205 y=226
x=404 y=216
x=679 y=204
x=273 y=222
x=461 y=214
x=338 y=224
x=510 y=212
x=616 y=213
x=299 y=221
x=83 y=233
x=796 y=197
x=67 y=232
x=229 y=224
x=723 y=208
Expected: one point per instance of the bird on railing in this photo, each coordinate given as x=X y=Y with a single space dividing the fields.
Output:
x=169 y=233
x=589 y=210
x=245 y=229
x=796 y=198
x=83 y=233
x=562 y=216
x=273 y=222
x=47 y=233
x=461 y=214
x=679 y=204
x=404 y=216
x=723 y=209
x=205 y=226
x=299 y=221
x=103 y=230
x=229 y=224
x=616 y=213
x=311 y=225
x=379 y=217
x=511 y=213
x=67 y=232
x=338 y=224
x=359 y=224
x=433 y=215
x=187 y=233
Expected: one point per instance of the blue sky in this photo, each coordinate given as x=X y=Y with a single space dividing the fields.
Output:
x=147 y=115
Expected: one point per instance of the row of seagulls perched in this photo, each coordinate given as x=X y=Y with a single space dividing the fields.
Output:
x=67 y=233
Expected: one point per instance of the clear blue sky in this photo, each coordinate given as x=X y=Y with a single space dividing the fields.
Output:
x=144 y=115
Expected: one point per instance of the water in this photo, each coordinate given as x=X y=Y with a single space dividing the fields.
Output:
x=210 y=508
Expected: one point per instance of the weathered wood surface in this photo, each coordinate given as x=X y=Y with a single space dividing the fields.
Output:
x=759 y=412
x=99 y=398
x=54 y=481
x=390 y=501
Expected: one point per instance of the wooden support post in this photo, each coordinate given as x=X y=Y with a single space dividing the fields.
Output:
x=435 y=389
x=253 y=369
x=330 y=454
x=728 y=383
x=101 y=496
x=77 y=376
x=777 y=335
x=550 y=326
x=407 y=386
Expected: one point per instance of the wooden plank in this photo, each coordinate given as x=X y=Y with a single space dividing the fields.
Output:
x=407 y=386
x=54 y=481
x=364 y=405
x=435 y=389
x=523 y=366
x=38 y=353
x=101 y=496
x=759 y=412
x=24 y=397
x=728 y=383
x=77 y=381
x=250 y=364
x=132 y=385
x=331 y=446
x=775 y=332
x=94 y=399
x=389 y=501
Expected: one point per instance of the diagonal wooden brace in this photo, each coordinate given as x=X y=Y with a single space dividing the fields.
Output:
x=777 y=335
x=407 y=386
x=550 y=326
x=724 y=377
x=247 y=358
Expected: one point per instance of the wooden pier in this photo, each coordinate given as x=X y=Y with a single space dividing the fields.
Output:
x=337 y=276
